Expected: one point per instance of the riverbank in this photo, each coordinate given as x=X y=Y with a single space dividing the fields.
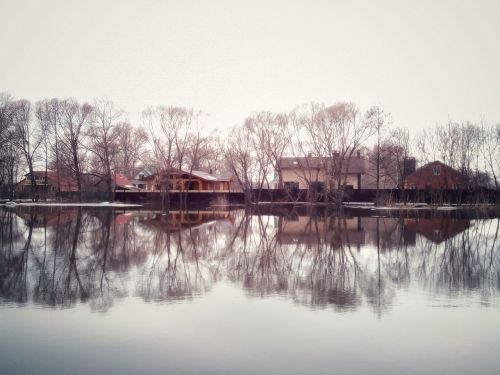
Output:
x=67 y=204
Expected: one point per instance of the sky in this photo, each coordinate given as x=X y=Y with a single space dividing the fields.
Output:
x=422 y=61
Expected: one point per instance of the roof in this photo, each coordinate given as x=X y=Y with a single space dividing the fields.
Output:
x=356 y=164
x=66 y=183
x=137 y=182
x=145 y=173
x=121 y=180
x=210 y=176
x=432 y=163
x=201 y=175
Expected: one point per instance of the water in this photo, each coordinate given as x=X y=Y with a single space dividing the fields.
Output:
x=227 y=292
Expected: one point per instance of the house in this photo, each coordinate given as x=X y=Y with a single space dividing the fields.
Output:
x=49 y=182
x=121 y=182
x=295 y=229
x=179 y=180
x=437 y=230
x=436 y=176
x=93 y=182
x=139 y=180
x=317 y=172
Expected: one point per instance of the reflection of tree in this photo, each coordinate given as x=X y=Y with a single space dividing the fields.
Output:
x=469 y=261
x=319 y=259
x=14 y=271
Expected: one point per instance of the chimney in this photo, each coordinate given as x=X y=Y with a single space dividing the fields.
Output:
x=309 y=154
x=409 y=166
x=211 y=171
x=358 y=153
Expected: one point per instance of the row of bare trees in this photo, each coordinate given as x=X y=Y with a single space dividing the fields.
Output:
x=342 y=131
x=337 y=132
x=74 y=139
x=80 y=139
x=471 y=148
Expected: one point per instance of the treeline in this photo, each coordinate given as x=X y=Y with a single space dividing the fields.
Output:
x=342 y=131
x=92 y=142
x=96 y=139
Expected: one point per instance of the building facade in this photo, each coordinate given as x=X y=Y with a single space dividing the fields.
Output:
x=317 y=172
x=436 y=176
x=178 y=180
x=47 y=182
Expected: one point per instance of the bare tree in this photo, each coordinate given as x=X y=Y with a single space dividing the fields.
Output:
x=456 y=144
x=302 y=141
x=209 y=154
x=269 y=138
x=169 y=128
x=397 y=152
x=240 y=160
x=132 y=148
x=379 y=155
x=491 y=149
x=9 y=158
x=74 y=120
x=103 y=139
x=48 y=114
x=337 y=132
x=27 y=137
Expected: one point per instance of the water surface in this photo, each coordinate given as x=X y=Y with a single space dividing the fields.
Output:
x=85 y=290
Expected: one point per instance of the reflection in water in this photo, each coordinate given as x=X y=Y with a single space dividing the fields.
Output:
x=57 y=257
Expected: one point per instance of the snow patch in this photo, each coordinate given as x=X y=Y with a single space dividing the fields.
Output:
x=56 y=204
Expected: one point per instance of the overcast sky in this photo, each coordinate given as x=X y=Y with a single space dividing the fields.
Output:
x=423 y=61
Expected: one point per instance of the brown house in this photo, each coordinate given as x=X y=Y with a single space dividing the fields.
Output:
x=178 y=180
x=436 y=176
x=48 y=183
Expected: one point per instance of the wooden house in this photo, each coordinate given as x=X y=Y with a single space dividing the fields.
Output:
x=176 y=180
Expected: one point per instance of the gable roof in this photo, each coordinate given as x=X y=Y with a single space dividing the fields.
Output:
x=451 y=170
x=356 y=164
x=199 y=174
x=121 y=180
x=210 y=176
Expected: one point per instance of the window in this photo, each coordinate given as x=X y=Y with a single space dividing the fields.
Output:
x=436 y=170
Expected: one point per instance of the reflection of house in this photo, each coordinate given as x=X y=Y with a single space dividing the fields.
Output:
x=47 y=218
x=437 y=230
x=318 y=172
x=436 y=175
x=178 y=180
x=179 y=220
x=49 y=184
x=385 y=231
x=311 y=230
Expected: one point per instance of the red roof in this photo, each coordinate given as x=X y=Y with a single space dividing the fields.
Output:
x=121 y=180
